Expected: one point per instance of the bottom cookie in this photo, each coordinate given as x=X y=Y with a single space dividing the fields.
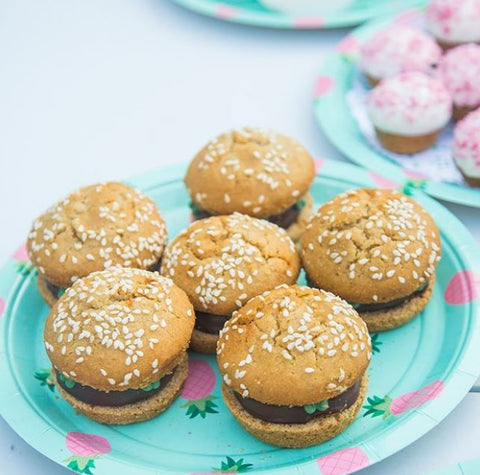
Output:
x=313 y=432
x=45 y=292
x=296 y=229
x=203 y=342
x=141 y=411
x=390 y=318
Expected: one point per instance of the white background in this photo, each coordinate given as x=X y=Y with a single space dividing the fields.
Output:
x=103 y=90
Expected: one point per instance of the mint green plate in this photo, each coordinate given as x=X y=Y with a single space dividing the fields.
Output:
x=253 y=12
x=470 y=467
x=338 y=77
x=419 y=373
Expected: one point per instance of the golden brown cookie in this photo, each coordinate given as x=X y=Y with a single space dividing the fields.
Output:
x=372 y=248
x=96 y=227
x=119 y=330
x=204 y=342
x=252 y=171
x=296 y=229
x=290 y=348
x=223 y=261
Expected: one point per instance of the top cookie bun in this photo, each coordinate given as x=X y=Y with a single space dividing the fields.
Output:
x=96 y=227
x=293 y=346
x=370 y=246
x=119 y=329
x=223 y=261
x=253 y=171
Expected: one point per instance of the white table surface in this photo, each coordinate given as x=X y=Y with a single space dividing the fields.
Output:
x=100 y=90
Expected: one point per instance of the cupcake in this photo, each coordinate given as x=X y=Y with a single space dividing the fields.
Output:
x=378 y=250
x=466 y=148
x=454 y=22
x=223 y=261
x=398 y=49
x=96 y=227
x=409 y=111
x=293 y=362
x=255 y=172
x=460 y=72
x=117 y=341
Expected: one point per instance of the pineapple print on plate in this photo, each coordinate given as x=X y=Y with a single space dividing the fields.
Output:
x=229 y=466
x=376 y=343
x=86 y=449
x=387 y=406
x=197 y=388
x=343 y=461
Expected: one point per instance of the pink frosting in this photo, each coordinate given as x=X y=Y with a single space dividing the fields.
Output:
x=466 y=144
x=455 y=21
x=410 y=104
x=460 y=72
x=399 y=49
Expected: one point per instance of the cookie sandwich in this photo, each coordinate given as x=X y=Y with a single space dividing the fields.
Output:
x=255 y=172
x=294 y=363
x=96 y=227
x=378 y=250
x=117 y=341
x=409 y=111
x=223 y=261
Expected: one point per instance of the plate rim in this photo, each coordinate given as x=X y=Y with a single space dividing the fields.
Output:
x=460 y=378
x=220 y=10
x=340 y=68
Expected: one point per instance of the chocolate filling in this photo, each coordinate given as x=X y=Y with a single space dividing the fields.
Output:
x=209 y=323
x=95 y=397
x=284 y=219
x=300 y=414
x=56 y=291
x=372 y=307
